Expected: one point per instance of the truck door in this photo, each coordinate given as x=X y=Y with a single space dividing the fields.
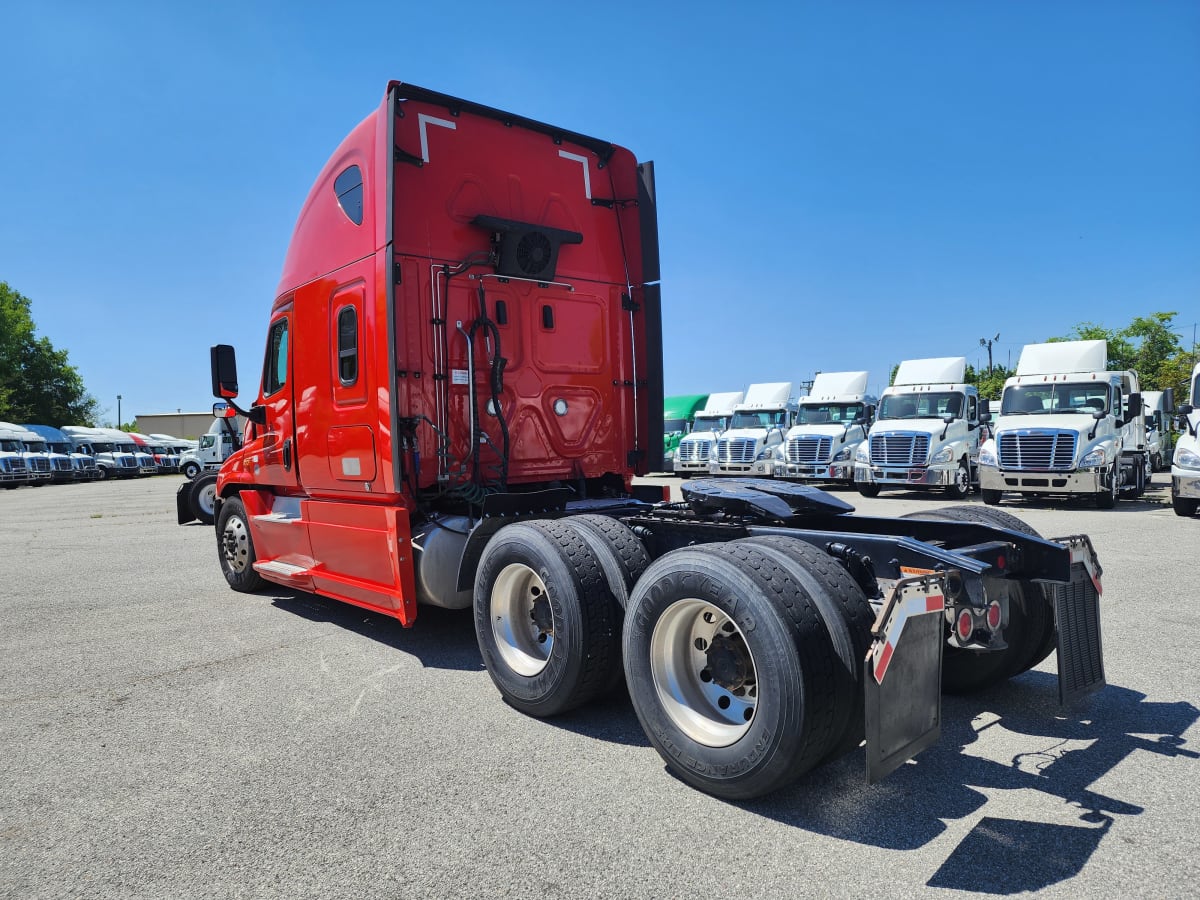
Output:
x=277 y=460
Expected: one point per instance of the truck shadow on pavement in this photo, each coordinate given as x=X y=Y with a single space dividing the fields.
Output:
x=999 y=856
x=444 y=640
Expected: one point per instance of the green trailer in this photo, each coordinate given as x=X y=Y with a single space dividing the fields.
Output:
x=679 y=413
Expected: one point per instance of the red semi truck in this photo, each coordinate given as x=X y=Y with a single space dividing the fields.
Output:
x=463 y=376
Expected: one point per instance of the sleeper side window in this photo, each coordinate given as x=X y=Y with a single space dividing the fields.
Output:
x=275 y=369
x=347 y=345
x=349 y=190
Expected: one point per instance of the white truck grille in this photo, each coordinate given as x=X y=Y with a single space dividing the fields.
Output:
x=1038 y=451
x=899 y=449
x=694 y=451
x=736 y=450
x=809 y=449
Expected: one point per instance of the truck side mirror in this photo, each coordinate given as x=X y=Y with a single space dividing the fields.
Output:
x=223 y=362
x=985 y=409
x=1135 y=405
x=1168 y=401
x=222 y=410
x=985 y=417
x=1099 y=414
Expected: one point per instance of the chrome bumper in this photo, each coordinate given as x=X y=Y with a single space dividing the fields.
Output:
x=763 y=468
x=916 y=476
x=841 y=471
x=1088 y=481
x=1185 y=486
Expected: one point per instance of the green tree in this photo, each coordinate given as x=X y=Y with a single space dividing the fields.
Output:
x=990 y=384
x=37 y=382
x=1148 y=346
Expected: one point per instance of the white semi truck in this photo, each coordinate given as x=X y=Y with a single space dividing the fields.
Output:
x=215 y=446
x=110 y=460
x=926 y=433
x=1157 y=407
x=14 y=471
x=696 y=447
x=1067 y=425
x=756 y=428
x=1185 y=465
x=33 y=449
x=830 y=424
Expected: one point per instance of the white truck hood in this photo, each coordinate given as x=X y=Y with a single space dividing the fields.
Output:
x=699 y=436
x=754 y=434
x=830 y=429
x=931 y=427
x=1080 y=424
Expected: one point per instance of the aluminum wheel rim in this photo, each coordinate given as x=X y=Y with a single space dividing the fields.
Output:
x=206 y=500
x=711 y=713
x=519 y=603
x=235 y=542
x=963 y=479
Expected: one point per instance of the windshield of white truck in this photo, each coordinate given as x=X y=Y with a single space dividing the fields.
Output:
x=1084 y=398
x=763 y=419
x=928 y=405
x=710 y=423
x=826 y=413
x=10 y=446
x=56 y=447
x=102 y=447
x=35 y=446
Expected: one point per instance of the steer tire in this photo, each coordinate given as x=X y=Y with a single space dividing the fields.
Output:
x=990 y=497
x=1184 y=506
x=867 y=489
x=847 y=615
x=961 y=488
x=731 y=670
x=235 y=547
x=202 y=499
x=548 y=627
x=621 y=553
x=190 y=470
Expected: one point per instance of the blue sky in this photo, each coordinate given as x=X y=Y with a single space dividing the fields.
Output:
x=841 y=185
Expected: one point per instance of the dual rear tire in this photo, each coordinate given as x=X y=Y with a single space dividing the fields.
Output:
x=743 y=659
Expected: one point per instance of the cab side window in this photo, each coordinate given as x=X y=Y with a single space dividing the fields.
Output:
x=347 y=345
x=348 y=187
x=275 y=367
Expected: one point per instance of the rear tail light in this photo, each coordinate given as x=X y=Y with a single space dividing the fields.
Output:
x=964 y=625
x=993 y=616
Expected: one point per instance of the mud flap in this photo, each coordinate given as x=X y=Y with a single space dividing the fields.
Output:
x=183 y=504
x=902 y=674
x=1077 y=620
x=1080 y=654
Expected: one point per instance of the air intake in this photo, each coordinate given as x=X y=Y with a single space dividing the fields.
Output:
x=524 y=250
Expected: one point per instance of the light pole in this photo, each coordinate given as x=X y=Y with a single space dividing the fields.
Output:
x=118 y=411
x=987 y=342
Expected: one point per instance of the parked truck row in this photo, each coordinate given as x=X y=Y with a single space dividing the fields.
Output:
x=34 y=454
x=463 y=375
x=1067 y=426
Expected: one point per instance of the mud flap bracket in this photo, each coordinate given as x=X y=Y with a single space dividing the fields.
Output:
x=902 y=674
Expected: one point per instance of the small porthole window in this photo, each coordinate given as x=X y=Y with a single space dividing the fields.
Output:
x=347 y=332
x=349 y=190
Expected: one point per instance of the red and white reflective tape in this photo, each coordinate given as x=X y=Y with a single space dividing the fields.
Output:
x=918 y=603
x=1081 y=553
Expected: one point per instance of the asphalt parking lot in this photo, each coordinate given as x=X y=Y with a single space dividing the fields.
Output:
x=163 y=735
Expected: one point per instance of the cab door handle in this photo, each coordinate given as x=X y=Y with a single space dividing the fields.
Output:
x=287 y=454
